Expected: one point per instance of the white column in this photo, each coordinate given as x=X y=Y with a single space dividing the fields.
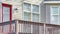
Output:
x=17 y=27
x=44 y=28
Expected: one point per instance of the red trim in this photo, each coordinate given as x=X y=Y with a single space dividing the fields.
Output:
x=10 y=6
x=10 y=18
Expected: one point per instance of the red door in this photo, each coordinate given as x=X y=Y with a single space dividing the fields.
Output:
x=6 y=14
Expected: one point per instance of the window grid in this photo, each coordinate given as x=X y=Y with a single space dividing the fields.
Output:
x=31 y=12
x=55 y=17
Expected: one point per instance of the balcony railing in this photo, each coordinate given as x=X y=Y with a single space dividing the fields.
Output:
x=28 y=27
x=38 y=28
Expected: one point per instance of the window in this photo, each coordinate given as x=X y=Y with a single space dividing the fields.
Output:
x=27 y=7
x=31 y=12
x=35 y=17
x=54 y=19
x=54 y=15
x=27 y=16
x=55 y=10
x=35 y=8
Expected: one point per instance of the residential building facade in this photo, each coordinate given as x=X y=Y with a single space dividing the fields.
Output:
x=26 y=9
x=31 y=16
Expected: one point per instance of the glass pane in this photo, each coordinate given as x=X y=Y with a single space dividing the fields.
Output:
x=27 y=6
x=6 y=12
x=27 y=16
x=35 y=17
x=35 y=8
x=55 y=10
x=54 y=19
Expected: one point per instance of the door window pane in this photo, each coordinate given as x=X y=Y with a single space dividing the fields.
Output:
x=35 y=17
x=27 y=6
x=6 y=14
x=27 y=16
x=35 y=8
x=55 y=10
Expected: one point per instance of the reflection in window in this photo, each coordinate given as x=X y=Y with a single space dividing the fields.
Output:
x=35 y=17
x=54 y=19
x=35 y=8
x=55 y=10
x=27 y=6
x=27 y=16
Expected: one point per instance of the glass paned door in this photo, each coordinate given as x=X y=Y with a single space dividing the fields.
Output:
x=6 y=12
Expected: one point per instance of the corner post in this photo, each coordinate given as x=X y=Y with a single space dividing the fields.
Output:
x=44 y=28
x=17 y=27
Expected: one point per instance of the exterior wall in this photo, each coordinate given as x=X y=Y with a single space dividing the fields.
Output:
x=18 y=14
x=33 y=1
x=43 y=12
x=48 y=11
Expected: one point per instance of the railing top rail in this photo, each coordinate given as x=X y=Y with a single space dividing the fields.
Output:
x=38 y=23
x=30 y=22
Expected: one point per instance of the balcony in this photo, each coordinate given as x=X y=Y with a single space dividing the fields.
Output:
x=51 y=1
x=28 y=27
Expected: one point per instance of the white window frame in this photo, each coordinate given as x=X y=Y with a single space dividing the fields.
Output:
x=54 y=14
x=31 y=12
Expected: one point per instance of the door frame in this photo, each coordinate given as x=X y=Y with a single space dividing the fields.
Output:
x=7 y=5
